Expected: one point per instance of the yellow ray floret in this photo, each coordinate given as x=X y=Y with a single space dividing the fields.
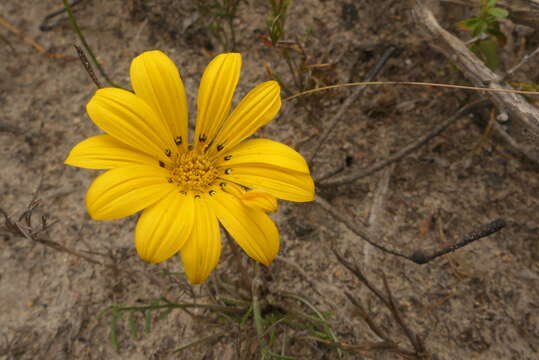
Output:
x=186 y=190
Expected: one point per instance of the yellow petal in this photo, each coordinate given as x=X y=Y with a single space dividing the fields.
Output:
x=232 y=188
x=128 y=118
x=256 y=109
x=215 y=95
x=201 y=252
x=105 y=152
x=252 y=229
x=156 y=80
x=125 y=190
x=283 y=184
x=260 y=200
x=164 y=227
x=264 y=152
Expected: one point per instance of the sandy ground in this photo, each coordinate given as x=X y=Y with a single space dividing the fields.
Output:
x=482 y=302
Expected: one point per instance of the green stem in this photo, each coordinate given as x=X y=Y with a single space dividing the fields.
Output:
x=170 y=305
x=73 y=21
x=257 y=315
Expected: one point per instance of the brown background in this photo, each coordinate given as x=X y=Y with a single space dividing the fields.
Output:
x=479 y=303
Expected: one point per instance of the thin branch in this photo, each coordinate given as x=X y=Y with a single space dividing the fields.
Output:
x=365 y=348
x=365 y=316
x=26 y=230
x=351 y=99
x=44 y=24
x=483 y=231
x=201 y=341
x=524 y=60
x=73 y=21
x=257 y=315
x=414 y=339
x=356 y=228
x=237 y=258
x=359 y=275
x=54 y=245
x=412 y=83
x=523 y=132
x=418 y=256
x=301 y=272
x=356 y=174
x=388 y=301
x=87 y=66
x=32 y=42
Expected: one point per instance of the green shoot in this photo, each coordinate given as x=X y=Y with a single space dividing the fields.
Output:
x=485 y=29
x=79 y=33
x=221 y=14
x=277 y=20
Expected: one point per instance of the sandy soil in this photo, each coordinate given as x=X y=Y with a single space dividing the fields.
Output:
x=482 y=302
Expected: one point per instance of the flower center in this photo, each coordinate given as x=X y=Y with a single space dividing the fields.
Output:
x=193 y=171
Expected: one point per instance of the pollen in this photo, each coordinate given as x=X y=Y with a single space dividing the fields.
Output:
x=193 y=171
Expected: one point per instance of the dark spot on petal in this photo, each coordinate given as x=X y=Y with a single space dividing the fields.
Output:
x=228 y=157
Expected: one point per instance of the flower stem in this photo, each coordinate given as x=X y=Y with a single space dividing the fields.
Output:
x=257 y=315
x=73 y=21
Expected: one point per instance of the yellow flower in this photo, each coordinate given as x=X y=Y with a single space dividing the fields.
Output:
x=185 y=189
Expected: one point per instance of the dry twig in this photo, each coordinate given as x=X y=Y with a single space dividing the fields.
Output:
x=523 y=132
x=24 y=228
x=356 y=174
x=418 y=256
x=32 y=42
x=389 y=302
x=350 y=100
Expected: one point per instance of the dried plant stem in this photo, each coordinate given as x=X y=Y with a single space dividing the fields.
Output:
x=410 y=83
x=237 y=258
x=522 y=134
x=201 y=341
x=418 y=256
x=87 y=66
x=32 y=42
x=389 y=302
x=56 y=246
x=524 y=60
x=350 y=100
x=73 y=21
x=27 y=231
x=356 y=174
x=301 y=272
x=257 y=315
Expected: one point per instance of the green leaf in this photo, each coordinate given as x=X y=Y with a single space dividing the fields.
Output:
x=147 y=322
x=246 y=316
x=468 y=24
x=488 y=49
x=472 y=22
x=114 y=329
x=500 y=37
x=498 y=12
x=491 y=3
x=479 y=28
x=133 y=324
